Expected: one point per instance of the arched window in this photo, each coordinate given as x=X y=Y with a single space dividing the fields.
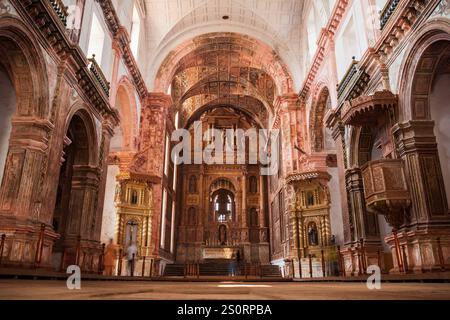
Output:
x=223 y=205
x=192 y=185
x=135 y=32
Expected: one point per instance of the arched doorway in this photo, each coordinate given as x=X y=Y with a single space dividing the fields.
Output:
x=424 y=116
x=24 y=104
x=74 y=216
x=321 y=138
x=439 y=96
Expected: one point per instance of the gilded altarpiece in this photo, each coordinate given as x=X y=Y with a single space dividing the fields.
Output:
x=134 y=202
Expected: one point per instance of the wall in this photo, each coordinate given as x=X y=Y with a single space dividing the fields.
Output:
x=440 y=113
x=109 y=211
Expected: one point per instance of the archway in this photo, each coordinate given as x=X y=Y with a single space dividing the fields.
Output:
x=321 y=139
x=440 y=111
x=74 y=218
x=24 y=87
x=125 y=134
x=423 y=118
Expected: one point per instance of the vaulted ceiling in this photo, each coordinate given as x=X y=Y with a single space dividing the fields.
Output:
x=170 y=23
x=224 y=69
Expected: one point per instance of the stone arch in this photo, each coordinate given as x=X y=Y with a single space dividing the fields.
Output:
x=125 y=135
x=74 y=218
x=427 y=60
x=260 y=54
x=420 y=64
x=362 y=143
x=321 y=104
x=222 y=183
x=26 y=66
x=217 y=104
x=24 y=87
x=81 y=111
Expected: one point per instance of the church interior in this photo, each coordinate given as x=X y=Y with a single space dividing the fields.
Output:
x=356 y=93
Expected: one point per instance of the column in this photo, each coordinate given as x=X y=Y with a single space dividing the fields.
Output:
x=429 y=217
x=20 y=193
x=149 y=161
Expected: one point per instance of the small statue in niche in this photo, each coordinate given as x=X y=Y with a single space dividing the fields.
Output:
x=333 y=240
x=223 y=235
x=313 y=237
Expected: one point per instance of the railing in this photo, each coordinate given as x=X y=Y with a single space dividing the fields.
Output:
x=352 y=70
x=387 y=12
x=60 y=10
x=98 y=74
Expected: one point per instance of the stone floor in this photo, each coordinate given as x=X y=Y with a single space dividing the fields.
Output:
x=52 y=289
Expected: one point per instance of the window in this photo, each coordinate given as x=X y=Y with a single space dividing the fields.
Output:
x=135 y=32
x=96 y=40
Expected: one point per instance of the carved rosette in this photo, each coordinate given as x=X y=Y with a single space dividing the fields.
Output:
x=386 y=190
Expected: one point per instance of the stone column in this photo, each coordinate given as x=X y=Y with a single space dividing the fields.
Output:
x=333 y=121
x=149 y=161
x=289 y=105
x=429 y=216
x=20 y=217
x=366 y=227
x=245 y=213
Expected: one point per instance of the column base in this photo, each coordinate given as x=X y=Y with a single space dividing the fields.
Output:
x=422 y=250
x=89 y=255
x=22 y=241
x=356 y=262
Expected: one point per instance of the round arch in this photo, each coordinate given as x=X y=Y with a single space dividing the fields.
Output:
x=80 y=110
x=26 y=66
x=126 y=133
x=321 y=103
x=414 y=95
x=266 y=59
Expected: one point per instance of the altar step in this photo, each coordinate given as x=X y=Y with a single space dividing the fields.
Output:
x=221 y=270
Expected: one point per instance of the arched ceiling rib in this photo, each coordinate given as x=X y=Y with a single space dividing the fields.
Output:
x=274 y=22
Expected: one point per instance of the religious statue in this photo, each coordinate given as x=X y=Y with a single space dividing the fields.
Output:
x=313 y=238
x=223 y=235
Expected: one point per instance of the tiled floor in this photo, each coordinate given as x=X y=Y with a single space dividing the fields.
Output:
x=37 y=289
